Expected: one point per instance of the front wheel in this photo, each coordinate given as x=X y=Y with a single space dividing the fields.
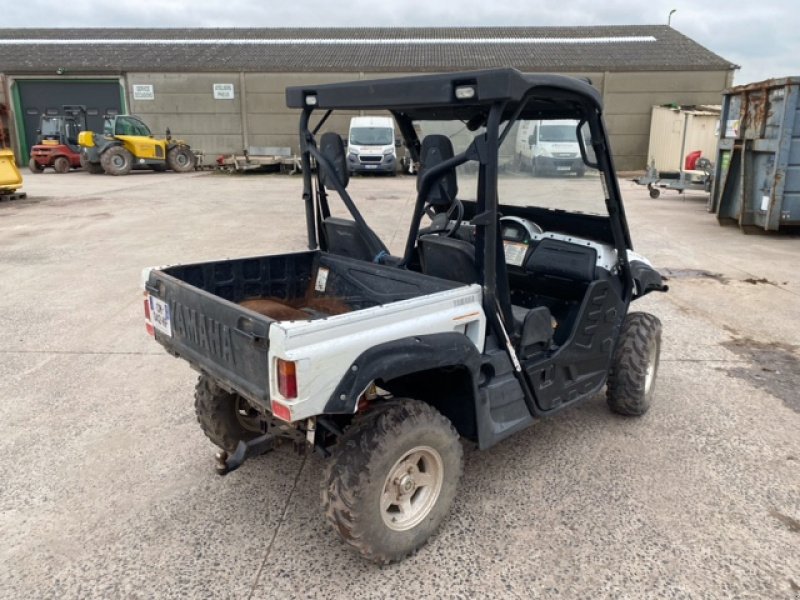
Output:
x=392 y=479
x=632 y=378
x=180 y=159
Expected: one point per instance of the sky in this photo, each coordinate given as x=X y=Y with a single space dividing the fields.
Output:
x=762 y=37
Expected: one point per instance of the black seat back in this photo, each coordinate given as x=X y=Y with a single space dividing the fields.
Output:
x=448 y=258
x=344 y=238
x=436 y=149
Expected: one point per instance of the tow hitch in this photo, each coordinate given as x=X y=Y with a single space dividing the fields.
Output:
x=244 y=450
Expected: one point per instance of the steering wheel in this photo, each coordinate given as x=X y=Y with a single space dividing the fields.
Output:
x=446 y=222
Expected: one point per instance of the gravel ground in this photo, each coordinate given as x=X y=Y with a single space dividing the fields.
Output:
x=108 y=488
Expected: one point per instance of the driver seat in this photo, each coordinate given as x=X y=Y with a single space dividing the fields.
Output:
x=441 y=256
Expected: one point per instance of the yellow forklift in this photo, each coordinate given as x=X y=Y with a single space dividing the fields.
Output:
x=127 y=143
x=10 y=177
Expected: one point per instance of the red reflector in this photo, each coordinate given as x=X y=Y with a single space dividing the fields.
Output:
x=147 y=324
x=281 y=411
x=287 y=379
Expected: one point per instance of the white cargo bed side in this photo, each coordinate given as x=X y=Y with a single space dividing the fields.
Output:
x=324 y=350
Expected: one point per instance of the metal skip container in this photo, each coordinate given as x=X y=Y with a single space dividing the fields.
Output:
x=757 y=172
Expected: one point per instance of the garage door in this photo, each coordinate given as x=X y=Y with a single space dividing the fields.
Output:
x=42 y=97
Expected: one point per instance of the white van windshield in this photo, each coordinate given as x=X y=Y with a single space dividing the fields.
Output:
x=371 y=136
x=557 y=133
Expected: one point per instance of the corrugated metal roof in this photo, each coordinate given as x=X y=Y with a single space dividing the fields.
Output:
x=575 y=49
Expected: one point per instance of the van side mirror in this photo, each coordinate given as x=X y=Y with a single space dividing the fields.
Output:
x=531 y=139
x=398 y=142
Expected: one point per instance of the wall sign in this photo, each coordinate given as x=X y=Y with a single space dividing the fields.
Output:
x=143 y=91
x=223 y=91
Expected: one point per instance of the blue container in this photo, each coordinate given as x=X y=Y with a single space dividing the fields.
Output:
x=757 y=172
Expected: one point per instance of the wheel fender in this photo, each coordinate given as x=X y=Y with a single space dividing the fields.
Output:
x=110 y=144
x=403 y=357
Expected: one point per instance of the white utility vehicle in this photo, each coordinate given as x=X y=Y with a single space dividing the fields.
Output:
x=501 y=308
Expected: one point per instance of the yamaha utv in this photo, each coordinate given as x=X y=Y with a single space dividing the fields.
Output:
x=507 y=302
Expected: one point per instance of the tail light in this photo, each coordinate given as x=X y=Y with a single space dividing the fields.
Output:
x=287 y=379
x=148 y=325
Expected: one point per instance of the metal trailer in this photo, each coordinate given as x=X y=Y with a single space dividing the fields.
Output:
x=258 y=158
x=674 y=132
x=698 y=179
x=758 y=157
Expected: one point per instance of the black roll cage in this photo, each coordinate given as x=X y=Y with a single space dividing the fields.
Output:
x=554 y=97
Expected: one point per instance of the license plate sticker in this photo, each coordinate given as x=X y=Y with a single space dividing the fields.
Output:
x=160 y=317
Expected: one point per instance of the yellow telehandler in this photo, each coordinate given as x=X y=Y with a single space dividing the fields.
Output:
x=127 y=143
x=10 y=177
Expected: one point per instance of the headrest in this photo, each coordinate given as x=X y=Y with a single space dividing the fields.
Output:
x=331 y=146
x=436 y=149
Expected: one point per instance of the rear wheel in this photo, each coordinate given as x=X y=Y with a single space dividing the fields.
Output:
x=90 y=167
x=632 y=378
x=117 y=161
x=654 y=192
x=392 y=479
x=225 y=418
x=34 y=166
x=180 y=159
x=61 y=164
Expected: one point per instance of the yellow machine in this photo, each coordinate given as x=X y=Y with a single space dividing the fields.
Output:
x=127 y=143
x=10 y=177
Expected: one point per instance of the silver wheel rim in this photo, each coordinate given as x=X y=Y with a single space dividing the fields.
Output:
x=651 y=369
x=412 y=488
x=182 y=159
x=118 y=161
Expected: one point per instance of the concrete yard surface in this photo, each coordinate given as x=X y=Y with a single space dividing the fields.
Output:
x=107 y=485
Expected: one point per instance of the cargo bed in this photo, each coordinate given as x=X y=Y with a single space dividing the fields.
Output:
x=195 y=313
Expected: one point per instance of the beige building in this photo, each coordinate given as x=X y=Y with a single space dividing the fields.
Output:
x=223 y=89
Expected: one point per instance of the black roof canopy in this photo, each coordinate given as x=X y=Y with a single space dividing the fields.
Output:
x=434 y=96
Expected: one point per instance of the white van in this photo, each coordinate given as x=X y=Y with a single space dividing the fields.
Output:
x=371 y=145
x=550 y=147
